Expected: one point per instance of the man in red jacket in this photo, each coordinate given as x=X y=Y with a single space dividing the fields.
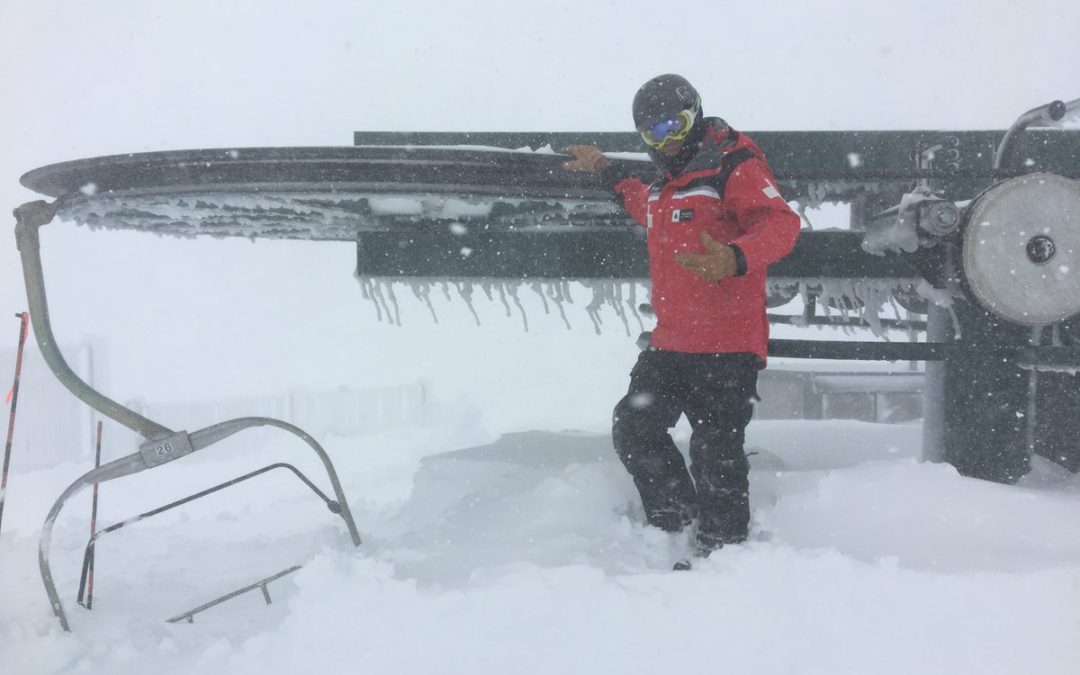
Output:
x=715 y=222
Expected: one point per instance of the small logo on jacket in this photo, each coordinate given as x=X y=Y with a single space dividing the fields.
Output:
x=679 y=215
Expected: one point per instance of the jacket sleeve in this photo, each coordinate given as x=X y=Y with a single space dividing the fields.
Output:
x=768 y=226
x=634 y=195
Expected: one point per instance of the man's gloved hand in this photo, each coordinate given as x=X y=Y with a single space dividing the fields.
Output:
x=716 y=263
x=585 y=158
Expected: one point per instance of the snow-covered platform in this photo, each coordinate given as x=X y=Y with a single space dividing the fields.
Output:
x=533 y=544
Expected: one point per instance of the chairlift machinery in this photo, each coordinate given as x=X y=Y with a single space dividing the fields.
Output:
x=977 y=230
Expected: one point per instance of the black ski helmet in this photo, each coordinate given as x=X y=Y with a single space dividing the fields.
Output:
x=662 y=97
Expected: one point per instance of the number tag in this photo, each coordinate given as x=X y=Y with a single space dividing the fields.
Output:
x=163 y=450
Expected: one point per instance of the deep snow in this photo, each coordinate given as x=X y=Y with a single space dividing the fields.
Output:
x=527 y=553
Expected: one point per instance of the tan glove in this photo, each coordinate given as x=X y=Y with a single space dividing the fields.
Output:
x=716 y=263
x=585 y=158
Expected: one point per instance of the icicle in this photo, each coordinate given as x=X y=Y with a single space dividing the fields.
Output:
x=367 y=291
x=866 y=299
x=803 y=292
x=617 y=302
x=554 y=289
x=502 y=297
x=621 y=294
x=889 y=303
x=802 y=214
x=393 y=300
x=593 y=308
x=465 y=290
x=422 y=291
x=871 y=298
x=958 y=334
x=633 y=303
x=564 y=289
x=377 y=291
x=535 y=286
x=937 y=296
x=512 y=289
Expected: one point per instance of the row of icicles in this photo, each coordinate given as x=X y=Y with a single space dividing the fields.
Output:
x=626 y=298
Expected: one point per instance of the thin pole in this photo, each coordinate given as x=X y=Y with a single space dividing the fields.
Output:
x=25 y=320
x=93 y=522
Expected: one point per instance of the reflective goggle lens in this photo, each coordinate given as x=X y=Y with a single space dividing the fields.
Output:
x=671 y=129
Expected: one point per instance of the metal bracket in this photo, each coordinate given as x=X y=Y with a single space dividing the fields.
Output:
x=165 y=450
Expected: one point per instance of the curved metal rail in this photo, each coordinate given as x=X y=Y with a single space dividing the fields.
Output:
x=29 y=218
x=137 y=462
x=163 y=445
x=317 y=193
x=1047 y=115
x=314 y=169
x=331 y=193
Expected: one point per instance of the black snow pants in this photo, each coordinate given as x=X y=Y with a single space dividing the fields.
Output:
x=717 y=394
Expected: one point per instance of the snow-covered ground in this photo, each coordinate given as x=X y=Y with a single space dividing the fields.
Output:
x=527 y=552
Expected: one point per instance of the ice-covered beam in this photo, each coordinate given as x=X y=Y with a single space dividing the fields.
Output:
x=962 y=161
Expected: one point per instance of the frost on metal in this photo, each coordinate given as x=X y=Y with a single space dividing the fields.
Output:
x=866 y=299
x=617 y=297
x=899 y=234
x=819 y=192
x=328 y=215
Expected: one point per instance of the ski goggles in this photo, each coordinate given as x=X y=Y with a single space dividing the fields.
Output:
x=671 y=129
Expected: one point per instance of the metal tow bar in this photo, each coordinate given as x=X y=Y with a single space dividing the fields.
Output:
x=189 y=615
x=86 y=578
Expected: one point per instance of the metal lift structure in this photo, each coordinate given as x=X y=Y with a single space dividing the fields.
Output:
x=979 y=230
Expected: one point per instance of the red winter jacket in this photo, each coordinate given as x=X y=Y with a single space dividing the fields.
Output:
x=728 y=191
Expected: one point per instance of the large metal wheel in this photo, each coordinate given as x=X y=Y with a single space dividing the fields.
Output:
x=1021 y=249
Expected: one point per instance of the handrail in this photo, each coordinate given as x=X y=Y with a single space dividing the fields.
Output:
x=1044 y=115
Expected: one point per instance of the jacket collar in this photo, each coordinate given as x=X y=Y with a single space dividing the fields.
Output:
x=719 y=140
